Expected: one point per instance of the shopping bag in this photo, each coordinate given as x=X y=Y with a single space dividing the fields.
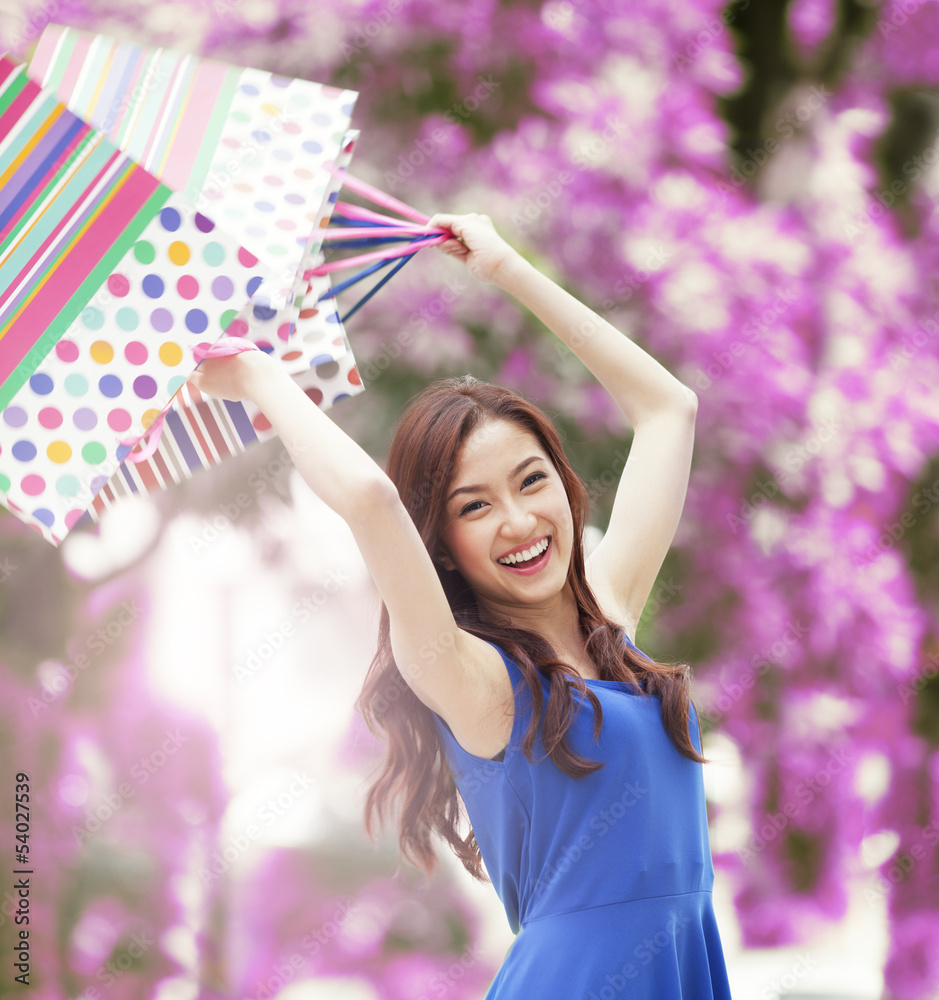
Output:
x=201 y=431
x=297 y=320
x=246 y=146
x=154 y=104
x=106 y=277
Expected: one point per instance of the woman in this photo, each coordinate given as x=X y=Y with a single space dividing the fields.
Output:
x=505 y=651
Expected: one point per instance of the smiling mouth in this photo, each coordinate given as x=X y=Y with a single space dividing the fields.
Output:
x=534 y=556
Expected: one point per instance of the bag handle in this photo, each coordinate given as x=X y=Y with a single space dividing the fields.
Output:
x=364 y=274
x=223 y=347
x=388 y=228
x=379 y=197
x=389 y=253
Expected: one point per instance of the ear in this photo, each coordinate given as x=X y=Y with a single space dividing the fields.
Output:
x=443 y=557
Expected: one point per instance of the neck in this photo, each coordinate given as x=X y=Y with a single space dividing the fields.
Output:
x=557 y=620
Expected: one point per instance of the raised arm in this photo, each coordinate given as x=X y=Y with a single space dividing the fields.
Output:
x=463 y=670
x=661 y=409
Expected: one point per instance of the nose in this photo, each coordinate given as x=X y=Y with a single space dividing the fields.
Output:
x=518 y=523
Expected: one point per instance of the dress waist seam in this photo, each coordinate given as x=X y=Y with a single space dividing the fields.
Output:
x=615 y=902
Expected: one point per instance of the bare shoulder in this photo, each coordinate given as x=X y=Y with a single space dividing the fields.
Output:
x=482 y=707
x=480 y=710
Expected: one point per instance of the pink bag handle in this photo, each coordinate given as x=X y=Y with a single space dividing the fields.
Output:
x=367 y=231
x=153 y=434
x=387 y=254
x=385 y=201
x=365 y=214
x=223 y=347
x=379 y=197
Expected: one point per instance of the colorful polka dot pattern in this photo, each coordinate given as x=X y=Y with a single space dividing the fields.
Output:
x=312 y=345
x=334 y=377
x=118 y=364
x=267 y=178
x=324 y=384
x=260 y=173
x=307 y=338
x=306 y=331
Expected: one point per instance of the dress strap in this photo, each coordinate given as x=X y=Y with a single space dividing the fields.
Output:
x=635 y=647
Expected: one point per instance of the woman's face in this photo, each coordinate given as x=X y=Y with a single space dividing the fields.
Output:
x=505 y=497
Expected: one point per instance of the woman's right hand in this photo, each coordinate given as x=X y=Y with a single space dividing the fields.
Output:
x=484 y=252
x=236 y=376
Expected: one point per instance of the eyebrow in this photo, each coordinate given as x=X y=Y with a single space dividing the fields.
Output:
x=478 y=489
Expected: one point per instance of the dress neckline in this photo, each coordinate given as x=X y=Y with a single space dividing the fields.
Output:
x=597 y=680
x=628 y=684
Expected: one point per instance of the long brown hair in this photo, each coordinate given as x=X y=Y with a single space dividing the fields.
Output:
x=421 y=463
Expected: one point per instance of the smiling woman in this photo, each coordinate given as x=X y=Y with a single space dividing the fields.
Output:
x=509 y=521
x=505 y=677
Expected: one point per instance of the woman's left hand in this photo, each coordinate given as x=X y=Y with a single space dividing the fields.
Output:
x=478 y=244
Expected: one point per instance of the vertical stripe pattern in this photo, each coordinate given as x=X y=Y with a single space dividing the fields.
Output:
x=69 y=203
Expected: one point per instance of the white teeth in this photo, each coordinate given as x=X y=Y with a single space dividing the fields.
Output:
x=527 y=554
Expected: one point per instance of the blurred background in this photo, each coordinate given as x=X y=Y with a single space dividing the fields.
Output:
x=748 y=191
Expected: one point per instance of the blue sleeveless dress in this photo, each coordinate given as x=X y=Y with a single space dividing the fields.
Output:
x=606 y=880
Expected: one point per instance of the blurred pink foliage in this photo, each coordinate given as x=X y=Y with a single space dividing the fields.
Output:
x=405 y=937
x=782 y=287
x=125 y=792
